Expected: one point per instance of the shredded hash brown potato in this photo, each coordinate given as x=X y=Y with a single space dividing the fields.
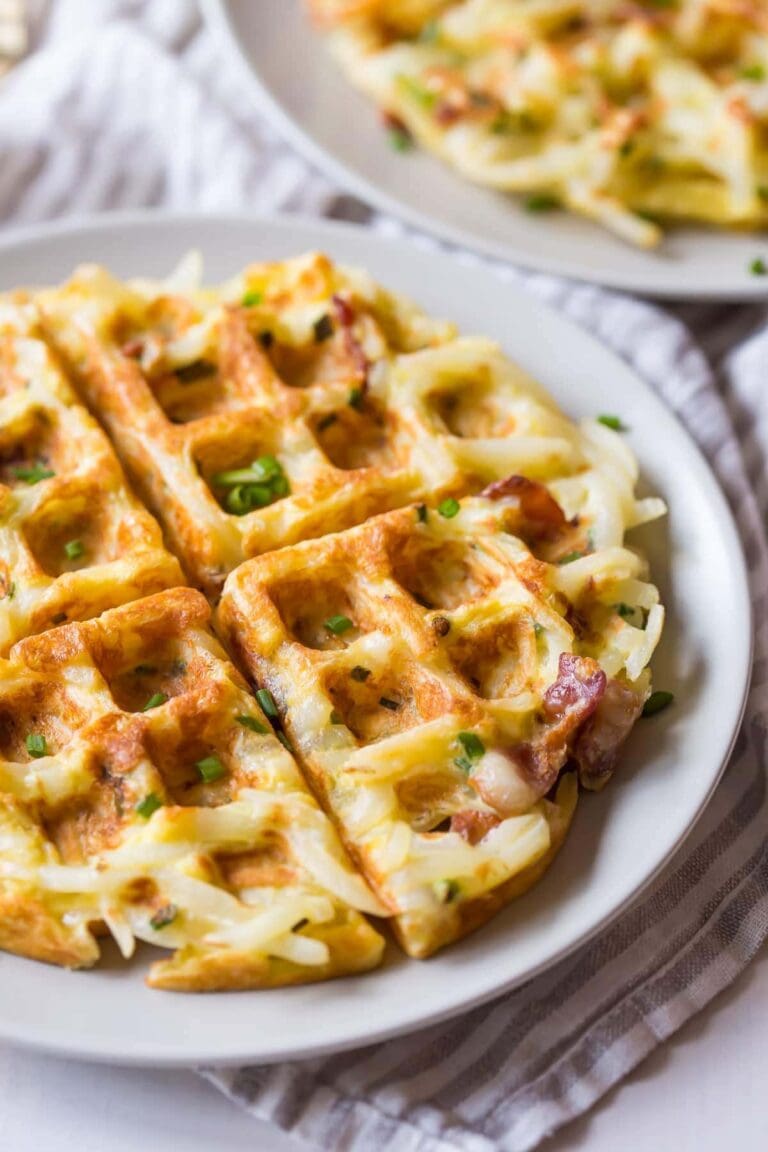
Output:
x=630 y=112
x=416 y=557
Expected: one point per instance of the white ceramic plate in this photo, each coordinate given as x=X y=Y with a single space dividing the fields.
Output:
x=302 y=89
x=619 y=839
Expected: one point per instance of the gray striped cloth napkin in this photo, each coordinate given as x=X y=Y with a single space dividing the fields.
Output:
x=74 y=137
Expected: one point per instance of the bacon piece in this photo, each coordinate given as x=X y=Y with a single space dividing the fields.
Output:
x=540 y=515
x=473 y=825
x=600 y=739
x=568 y=703
x=345 y=318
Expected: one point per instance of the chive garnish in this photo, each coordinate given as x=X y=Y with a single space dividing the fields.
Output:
x=400 y=139
x=148 y=805
x=613 y=422
x=758 y=267
x=338 y=624
x=155 y=700
x=267 y=702
x=74 y=549
x=210 y=769
x=252 y=724
x=284 y=741
x=37 y=745
x=32 y=475
x=359 y=673
x=323 y=328
x=164 y=916
x=446 y=890
x=657 y=702
x=256 y=486
x=754 y=72
x=570 y=557
x=472 y=745
x=252 y=299
x=449 y=507
x=542 y=203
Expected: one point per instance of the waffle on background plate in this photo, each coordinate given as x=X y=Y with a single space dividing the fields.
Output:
x=416 y=557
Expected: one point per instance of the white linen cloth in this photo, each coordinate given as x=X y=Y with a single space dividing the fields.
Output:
x=127 y=103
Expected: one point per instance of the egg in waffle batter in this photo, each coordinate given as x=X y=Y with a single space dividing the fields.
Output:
x=143 y=789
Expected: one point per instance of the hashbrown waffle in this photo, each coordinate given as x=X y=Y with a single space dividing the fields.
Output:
x=426 y=579
x=142 y=787
x=436 y=676
x=74 y=540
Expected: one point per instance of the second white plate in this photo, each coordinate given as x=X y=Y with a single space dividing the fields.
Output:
x=620 y=838
x=302 y=89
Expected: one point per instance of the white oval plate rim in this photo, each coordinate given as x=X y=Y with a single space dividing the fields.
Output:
x=127 y=1048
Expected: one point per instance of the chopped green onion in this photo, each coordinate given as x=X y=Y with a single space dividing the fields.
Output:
x=37 y=745
x=263 y=482
x=164 y=916
x=430 y=33
x=570 y=557
x=612 y=422
x=267 y=702
x=538 y=629
x=74 y=549
x=446 y=890
x=155 y=700
x=323 y=328
x=758 y=267
x=400 y=139
x=417 y=92
x=197 y=370
x=359 y=673
x=32 y=475
x=148 y=805
x=336 y=717
x=392 y=705
x=448 y=507
x=252 y=299
x=284 y=741
x=338 y=624
x=657 y=702
x=252 y=724
x=210 y=769
x=542 y=203
x=626 y=611
x=754 y=72
x=472 y=745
